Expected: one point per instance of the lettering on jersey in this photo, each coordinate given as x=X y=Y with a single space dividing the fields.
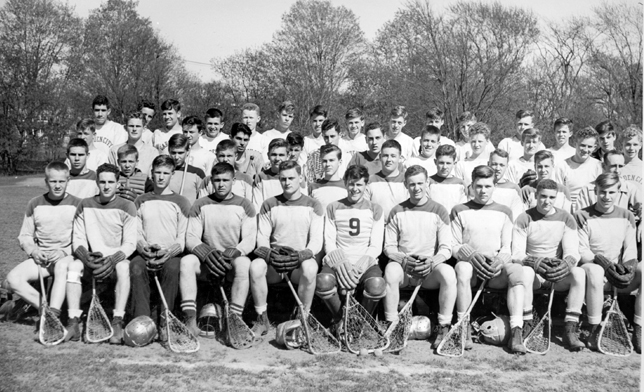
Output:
x=632 y=177
x=104 y=140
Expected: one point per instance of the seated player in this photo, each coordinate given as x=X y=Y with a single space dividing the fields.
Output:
x=132 y=181
x=266 y=182
x=46 y=236
x=107 y=224
x=222 y=228
x=86 y=130
x=135 y=131
x=331 y=187
x=444 y=188
x=247 y=161
x=506 y=193
x=609 y=253
x=353 y=234
x=188 y=179
x=418 y=241
x=482 y=232
x=292 y=220
x=387 y=187
x=542 y=232
x=199 y=157
x=370 y=158
x=629 y=195
x=429 y=142
x=544 y=164
x=82 y=181
x=162 y=219
x=479 y=136
x=242 y=183
x=530 y=140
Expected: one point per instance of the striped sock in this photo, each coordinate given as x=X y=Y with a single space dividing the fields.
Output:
x=189 y=308
x=527 y=314
x=237 y=309
x=572 y=316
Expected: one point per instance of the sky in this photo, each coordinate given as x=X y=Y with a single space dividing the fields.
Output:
x=205 y=29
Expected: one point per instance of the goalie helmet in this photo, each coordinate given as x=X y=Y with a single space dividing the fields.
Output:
x=210 y=320
x=290 y=334
x=493 y=330
x=421 y=328
x=139 y=332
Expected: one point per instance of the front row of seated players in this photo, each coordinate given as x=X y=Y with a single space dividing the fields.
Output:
x=221 y=238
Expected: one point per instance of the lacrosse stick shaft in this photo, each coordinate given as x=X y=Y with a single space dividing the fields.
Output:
x=43 y=297
x=165 y=304
x=409 y=303
x=185 y=171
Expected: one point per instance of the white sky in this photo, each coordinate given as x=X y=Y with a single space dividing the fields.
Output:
x=205 y=29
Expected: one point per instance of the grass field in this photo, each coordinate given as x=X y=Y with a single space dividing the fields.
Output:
x=25 y=365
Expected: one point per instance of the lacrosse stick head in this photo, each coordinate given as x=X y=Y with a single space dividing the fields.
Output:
x=613 y=337
x=318 y=339
x=400 y=333
x=361 y=331
x=180 y=338
x=210 y=320
x=51 y=331
x=98 y=327
x=238 y=334
x=139 y=332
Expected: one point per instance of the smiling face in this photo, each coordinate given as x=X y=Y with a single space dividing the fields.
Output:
x=56 y=181
x=606 y=197
x=632 y=147
x=544 y=169
x=354 y=125
x=171 y=118
x=562 y=135
x=355 y=189
x=213 y=126
x=464 y=129
x=276 y=156
x=546 y=200
x=607 y=141
x=584 y=148
x=428 y=144
x=417 y=187
x=316 y=124
x=478 y=143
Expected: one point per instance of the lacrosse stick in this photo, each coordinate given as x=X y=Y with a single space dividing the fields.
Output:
x=98 y=327
x=613 y=336
x=180 y=338
x=185 y=170
x=398 y=331
x=538 y=340
x=361 y=331
x=318 y=339
x=50 y=330
x=453 y=344
x=238 y=334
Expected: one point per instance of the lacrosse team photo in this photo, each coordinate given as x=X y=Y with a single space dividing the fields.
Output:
x=321 y=195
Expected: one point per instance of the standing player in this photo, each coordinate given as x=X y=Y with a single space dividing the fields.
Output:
x=370 y=158
x=354 y=136
x=107 y=224
x=631 y=142
x=191 y=177
x=171 y=111
x=87 y=131
x=479 y=137
x=293 y=220
x=606 y=139
x=435 y=118
x=562 y=149
x=199 y=157
x=418 y=241
x=397 y=121
x=444 y=188
x=251 y=118
x=45 y=236
x=285 y=115
x=314 y=141
x=147 y=109
x=429 y=142
x=544 y=164
x=482 y=232
x=463 y=147
x=530 y=140
x=331 y=135
x=506 y=193
x=296 y=152
x=387 y=187
x=146 y=153
x=353 y=233
x=82 y=181
x=242 y=183
x=331 y=187
x=543 y=232
x=108 y=133
x=513 y=145
x=609 y=252
x=132 y=181
x=222 y=229
x=267 y=182
x=247 y=161
x=213 y=132
x=162 y=219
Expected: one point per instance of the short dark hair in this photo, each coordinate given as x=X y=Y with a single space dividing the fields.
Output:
x=446 y=150
x=163 y=160
x=86 y=123
x=415 y=169
x=353 y=113
x=214 y=113
x=561 y=121
x=287 y=106
x=134 y=116
x=288 y=165
x=542 y=155
x=101 y=100
x=108 y=168
x=295 y=139
x=330 y=123
x=501 y=153
x=125 y=150
x=524 y=113
x=144 y=103
x=222 y=168
x=432 y=130
x=224 y=145
x=191 y=121
x=434 y=114
x=240 y=127
x=530 y=133
x=318 y=110
x=77 y=142
x=547 y=184
x=178 y=140
x=355 y=173
x=371 y=126
x=329 y=148
x=586 y=133
x=171 y=104
x=391 y=143
x=605 y=127
x=482 y=171
x=277 y=143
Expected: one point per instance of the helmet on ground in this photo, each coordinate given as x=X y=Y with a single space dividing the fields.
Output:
x=139 y=332
x=421 y=328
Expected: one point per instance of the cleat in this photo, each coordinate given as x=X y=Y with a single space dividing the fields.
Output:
x=441 y=331
x=117 y=326
x=515 y=344
x=593 y=339
x=468 y=337
x=262 y=325
x=637 y=338
x=570 y=338
x=73 y=330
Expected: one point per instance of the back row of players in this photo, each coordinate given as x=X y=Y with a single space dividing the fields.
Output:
x=231 y=230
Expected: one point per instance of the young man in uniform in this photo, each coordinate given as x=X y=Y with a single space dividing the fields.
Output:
x=108 y=133
x=186 y=176
x=171 y=112
x=370 y=158
x=213 y=134
x=387 y=187
x=82 y=180
x=331 y=187
x=146 y=153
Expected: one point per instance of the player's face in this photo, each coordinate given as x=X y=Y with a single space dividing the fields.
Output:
x=417 y=187
x=148 y=115
x=355 y=189
x=285 y=119
x=250 y=118
x=614 y=164
x=632 y=147
x=170 y=118
x=127 y=164
x=483 y=190
x=354 y=125
x=606 y=197
x=429 y=144
x=499 y=165
x=161 y=176
x=390 y=158
x=100 y=114
x=223 y=184
x=437 y=122
x=444 y=165
x=316 y=124
x=77 y=157
x=290 y=181
x=607 y=141
x=531 y=145
x=107 y=185
x=135 y=129
x=192 y=133
x=464 y=128
x=562 y=135
x=524 y=123
x=478 y=143
x=213 y=126
x=330 y=163
x=227 y=156
x=179 y=155
x=544 y=168
x=546 y=200
x=241 y=139
x=87 y=135
x=277 y=156
x=331 y=136
x=396 y=124
x=375 y=138
x=585 y=147
x=294 y=152
x=56 y=183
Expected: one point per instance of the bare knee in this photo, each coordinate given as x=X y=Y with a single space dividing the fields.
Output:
x=514 y=273
x=258 y=269
x=393 y=273
x=189 y=264
x=309 y=269
x=594 y=274
x=463 y=271
x=578 y=275
x=241 y=265
x=75 y=266
x=446 y=274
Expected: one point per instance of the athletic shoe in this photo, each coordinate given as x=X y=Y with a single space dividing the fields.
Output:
x=468 y=336
x=570 y=338
x=117 y=326
x=73 y=330
x=593 y=339
x=515 y=344
x=637 y=338
x=191 y=323
x=441 y=331
x=528 y=325
x=262 y=325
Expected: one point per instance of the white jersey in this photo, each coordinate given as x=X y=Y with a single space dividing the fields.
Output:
x=161 y=138
x=211 y=145
x=109 y=135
